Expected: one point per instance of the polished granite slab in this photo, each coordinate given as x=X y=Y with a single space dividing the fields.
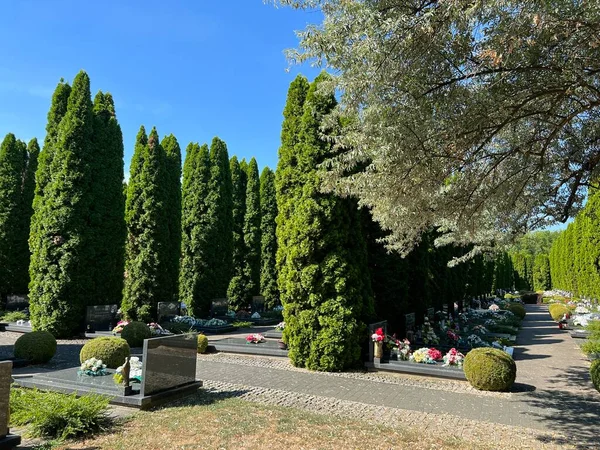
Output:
x=239 y=345
x=431 y=370
x=5 y=378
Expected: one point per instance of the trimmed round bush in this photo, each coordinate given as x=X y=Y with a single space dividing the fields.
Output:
x=557 y=311
x=111 y=350
x=595 y=374
x=135 y=333
x=490 y=369
x=37 y=347
x=518 y=310
x=202 y=343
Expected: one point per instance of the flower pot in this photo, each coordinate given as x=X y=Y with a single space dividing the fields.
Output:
x=282 y=345
x=378 y=349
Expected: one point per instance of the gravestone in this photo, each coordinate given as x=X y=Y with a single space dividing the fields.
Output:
x=101 y=317
x=167 y=310
x=431 y=313
x=169 y=362
x=219 y=307
x=17 y=302
x=6 y=440
x=258 y=304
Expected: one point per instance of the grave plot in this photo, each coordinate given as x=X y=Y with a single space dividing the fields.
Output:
x=254 y=344
x=168 y=371
x=100 y=319
x=7 y=440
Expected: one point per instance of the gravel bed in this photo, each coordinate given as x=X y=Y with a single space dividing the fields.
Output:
x=381 y=377
x=495 y=436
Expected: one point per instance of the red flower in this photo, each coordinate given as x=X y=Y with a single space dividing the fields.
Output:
x=434 y=354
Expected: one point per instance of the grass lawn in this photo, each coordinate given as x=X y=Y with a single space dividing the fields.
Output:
x=213 y=422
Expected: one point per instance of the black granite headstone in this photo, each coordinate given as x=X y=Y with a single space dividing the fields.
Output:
x=101 y=317
x=258 y=304
x=219 y=307
x=409 y=321
x=167 y=310
x=17 y=302
x=169 y=362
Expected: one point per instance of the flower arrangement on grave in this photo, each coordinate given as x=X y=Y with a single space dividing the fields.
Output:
x=280 y=326
x=157 y=330
x=452 y=336
x=479 y=329
x=92 y=367
x=23 y=323
x=278 y=308
x=453 y=358
x=475 y=341
x=403 y=349
x=429 y=336
x=255 y=338
x=135 y=371
x=255 y=316
x=426 y=355
x=494 y=307
x=120 y=325
x=378 y=336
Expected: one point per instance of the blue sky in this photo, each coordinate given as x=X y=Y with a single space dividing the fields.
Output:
x=196 y=69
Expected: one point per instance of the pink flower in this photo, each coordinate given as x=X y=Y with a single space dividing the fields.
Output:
x=434 y=354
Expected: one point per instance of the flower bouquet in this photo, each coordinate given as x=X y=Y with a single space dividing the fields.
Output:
x=120 y=325
x=403 y=349
x=157 y=330
x=378 y=336
x=429 y=336
x=92 y=367
x=426 y=355
x=280 y=326
x=453 y=358
x=255 y=338
x=452 y=336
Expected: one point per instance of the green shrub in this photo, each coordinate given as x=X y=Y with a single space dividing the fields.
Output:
x=52 y=415
x=557 y=311
x=594 y=328
x=135 y=333
x=37 y=347
x=490 y=369
x=518 y=310
x=202 y=343
x=529 y=298
x=14 y=316
x=499 y=328
x=595 y=374
x=242 y=324
x=111 y=350
x=176 y=327
x=590 y=347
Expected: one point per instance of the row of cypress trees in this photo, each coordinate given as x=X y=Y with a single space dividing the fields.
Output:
x=575 y=255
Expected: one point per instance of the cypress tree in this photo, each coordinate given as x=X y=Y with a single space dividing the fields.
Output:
x=173 y=211
x=239 y=178
x=252 y=232
x=147 y=232
x=107 y=216
x=196 y=276
x=268 y=249
x=221 y=220
x=321 y=263
x=541 y=273
x=60 y=270
x=13 y=166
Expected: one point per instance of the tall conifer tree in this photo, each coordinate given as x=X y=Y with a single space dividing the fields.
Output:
x=268 y=250
x=13 y=166
x=239 y=178
x=252 y=232
x=60 y=269
x=321 y=255
x=196 y=276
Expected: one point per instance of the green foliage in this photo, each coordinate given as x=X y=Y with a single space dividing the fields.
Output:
x=135 y=333
x=321 y=257
x=147 y=252
x=239 y=180
x=243 y=324
x=541 y=273
x=518 y=310
x=490 y=369
x=595 y=374
x=268 y=248
x=252 y=233
x=51 y=415
x=37 y=347
x=111 y=350
x=523 y=270
x=13 y=316
x=176 y=327
x=202 y=343
x=106 y=227
x=590 y=347
x=195 y=275
x=62 y=261
x=173 y=212
x=557 y=311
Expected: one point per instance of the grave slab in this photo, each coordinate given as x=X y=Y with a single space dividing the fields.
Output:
x=101 y=318
x=430 y=370
x=239 y=345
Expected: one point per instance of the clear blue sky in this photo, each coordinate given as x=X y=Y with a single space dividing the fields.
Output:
x=196 y=69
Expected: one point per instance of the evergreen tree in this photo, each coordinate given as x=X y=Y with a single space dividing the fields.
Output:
x=107 y=216
x=173 y=212
x=13 y=166
x=147 y=232
x=221 y=220
x=322 y=256
x=268 y=249
x=252 y=233
x=60 y=270
x=196 y=274
x=541 y=270
x=239 y=178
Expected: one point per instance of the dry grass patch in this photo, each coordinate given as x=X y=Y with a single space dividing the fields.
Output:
x=207 y=421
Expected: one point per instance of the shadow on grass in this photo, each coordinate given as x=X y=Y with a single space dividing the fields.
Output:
x=204 y=397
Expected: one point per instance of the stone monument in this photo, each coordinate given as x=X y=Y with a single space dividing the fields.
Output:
x=7 y=440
